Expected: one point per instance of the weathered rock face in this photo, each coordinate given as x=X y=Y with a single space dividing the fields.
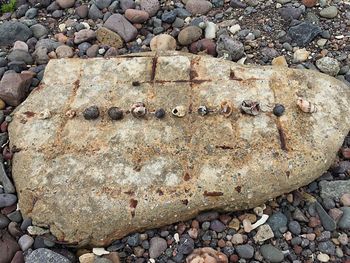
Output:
x=92 y=181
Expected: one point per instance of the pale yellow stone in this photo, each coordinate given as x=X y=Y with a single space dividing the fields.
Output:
x=300 y=55
x=280 y=61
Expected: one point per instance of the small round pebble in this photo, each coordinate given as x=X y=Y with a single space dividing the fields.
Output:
x=160 y=113
x=91 y=113
x=115 y=113
x=25 y=242
x=278 y=110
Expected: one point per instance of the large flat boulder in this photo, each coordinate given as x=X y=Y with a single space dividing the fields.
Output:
x=93 y=181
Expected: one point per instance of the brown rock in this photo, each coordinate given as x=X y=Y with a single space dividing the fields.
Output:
x=132 y=188
x=14 y=87
x=150 y=6
x=118 y=24
x=309 y=3
x=346 y=153
x=65 y=3
x=163 y=42
x=345 y=199
x=8 y=247
x=64 y=52
x=136 y=16
x=204 y=45
x=109 y=38
x=280 y=61
x=206 y=255
x=113 y=256
x=84 y=35
x=198 y=7
x=335 y=213
x=189 y=34
x=18 y=258
x=82 y=11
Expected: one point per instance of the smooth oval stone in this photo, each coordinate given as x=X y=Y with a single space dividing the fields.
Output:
x=7 y=200
x=97 y=181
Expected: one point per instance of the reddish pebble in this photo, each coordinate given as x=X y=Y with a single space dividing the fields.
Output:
x=7 y=153
x=9 y=209
x=234 y=258
x=136 y=16
x=181 y=227
x=311 y=236
x=298 y=250
x=206 y=45
x=335 y=213
x=345 y=199
x=3 y=126
x=195 y=224
x=18 y=258
x=225 y=219
x=314 y=221
x=309 y=3
x=346 y=153
x=221 y=243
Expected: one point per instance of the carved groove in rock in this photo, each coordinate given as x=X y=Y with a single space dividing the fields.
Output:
x=94 y=181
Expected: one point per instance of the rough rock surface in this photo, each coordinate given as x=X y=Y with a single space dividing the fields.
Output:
x=98 y=180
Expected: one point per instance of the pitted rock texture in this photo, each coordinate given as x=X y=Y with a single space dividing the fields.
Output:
x=94 y=181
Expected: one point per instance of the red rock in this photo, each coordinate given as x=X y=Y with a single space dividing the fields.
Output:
x=136 y=16
x=234 y=258
x=221 y=243
x=121 y=26
x=335 y=213
x=309 y=3
x=297 y=249
x=14 y=87
x=3 y=126
x=18 y=258
x=225 y=219
x=206 y=45
x=314 y=221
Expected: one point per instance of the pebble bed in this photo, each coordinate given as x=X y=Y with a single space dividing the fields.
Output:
x=311 y=224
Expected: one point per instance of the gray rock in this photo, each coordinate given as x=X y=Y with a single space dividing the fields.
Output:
x=344 y=221
x=329 y=12
x=39 y=30
x=150 y=6
x=245 y=251
x=47 y=43
x=238 y=4
x=65 y=3
x=327 y=222
x=228 y=46
x=326 y=247
x=46 y=255
x=21 y=10
x=5 y=181
x=186 y=245
x=102 y=194
x=302 y=34
x=157 y=247
x=4 y=221
x=31 y=13
x=277 y=221
x=198 y=7
x=82 y=11
x=57 y=13
x=328 y=65
x=134 y=240
x=102 y=3
x=95 y=13
x=102 y=260
x=217 y=226
x=290 y=13
x=207 y=216
x=271 y=253
x=7 y=200
x=294 y=227
x=3 y=62
x=127 y=4
x=121 y=26
x=334 y=189
x=20 y=55
x=84 y=35
x=25 y=242
x=13 y=31
x=15 y=216
x=40 y=55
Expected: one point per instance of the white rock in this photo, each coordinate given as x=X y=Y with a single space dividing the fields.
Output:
x=300 y=55
x=235 y=28
x=99 y=251
x=264 y=233
x=210 y=30
x=323 y=257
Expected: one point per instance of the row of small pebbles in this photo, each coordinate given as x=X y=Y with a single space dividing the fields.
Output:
x=311 y=223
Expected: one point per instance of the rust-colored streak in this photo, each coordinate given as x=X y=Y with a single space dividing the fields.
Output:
x=282 y=138
x=29 y=114
x=187 y=177
x=193 y=72
x=154 y=68
x=129 y=192
x=133 y=203
x=206 y=193
x=224 y=147
x=238 y=189
x=288 y=174
x=233 y=76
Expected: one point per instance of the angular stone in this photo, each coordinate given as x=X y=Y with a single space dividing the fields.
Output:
x=334 y=189
x=121 y=26
x=12 y=31
x=46 y=255
x=123 y=179
x=14 y=86
x=108 y=37
x=304 y=33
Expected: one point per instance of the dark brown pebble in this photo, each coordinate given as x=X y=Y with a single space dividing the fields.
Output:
x=115 y=113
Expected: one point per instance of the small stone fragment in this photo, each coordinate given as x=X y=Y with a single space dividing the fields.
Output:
x=109 y=38
x=198 y=7
x=157 y=247
x=264 y=233
x=136 y=16
x=300 y=55
x=279 y=61
x=329 y=12
x=163 y=42
x=271 y=253
x=120 y=25
x=13 y=87
x=160 y=113
x=189 y=35
x=179 y=111
x=328 y=65
x=150 y=6
x=278 y=110
x=84 y=35
x=206 y=255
